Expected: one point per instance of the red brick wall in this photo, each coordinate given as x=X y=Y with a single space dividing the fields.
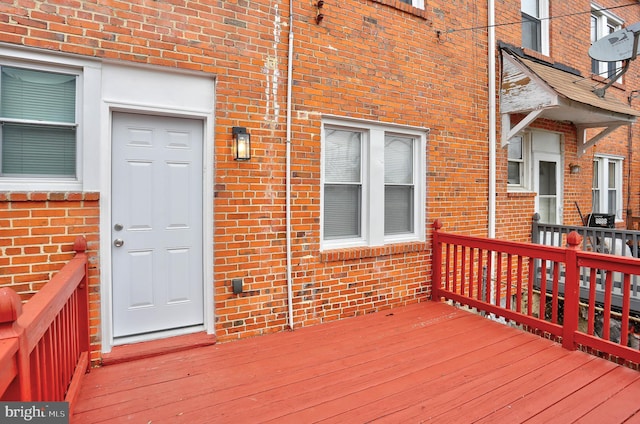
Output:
x=37 y=231
x=371 y=60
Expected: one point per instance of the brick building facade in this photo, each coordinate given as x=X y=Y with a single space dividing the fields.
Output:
x=407 y=84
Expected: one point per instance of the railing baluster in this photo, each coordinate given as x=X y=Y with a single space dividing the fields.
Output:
x=463 y=270
x=447 y=274
x=497 y=288
x=519 y=285
x=555 y=291
x=608 y=287
x=509 y=281
x=542 y=306
x=454 y=283
x=530 y=287
x=471 y=263
x=488 y=284
x=626 y=288
x=480 y=289
x=592 y=301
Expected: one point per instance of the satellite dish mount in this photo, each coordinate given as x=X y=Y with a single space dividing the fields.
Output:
x=622 y=46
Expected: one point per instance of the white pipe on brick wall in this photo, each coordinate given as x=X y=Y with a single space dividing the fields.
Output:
x=288 y=167
x=492 y=118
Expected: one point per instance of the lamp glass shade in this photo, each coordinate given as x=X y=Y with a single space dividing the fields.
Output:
x=242 y=146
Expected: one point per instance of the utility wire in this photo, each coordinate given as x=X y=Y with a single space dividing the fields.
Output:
x=449 y=31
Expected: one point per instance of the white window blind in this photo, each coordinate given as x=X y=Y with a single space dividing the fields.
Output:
x=38 y=115
x=343 y=184
x=398 y=190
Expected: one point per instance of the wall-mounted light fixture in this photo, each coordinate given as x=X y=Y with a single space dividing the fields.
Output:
x=241 y=143
x=574 y=168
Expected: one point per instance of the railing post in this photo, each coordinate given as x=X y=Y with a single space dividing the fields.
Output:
x=571 y=291
x=80 y=246
x=436 y=261
x=10 y=310
x=535 y=232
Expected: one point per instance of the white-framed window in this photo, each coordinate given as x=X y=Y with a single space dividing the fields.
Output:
x=38 y=118
x=50 y=121
x=373 y=184
x=606 y=191
x=518 y=162
x=415 y=3
x=535 y=25
x=604 y=23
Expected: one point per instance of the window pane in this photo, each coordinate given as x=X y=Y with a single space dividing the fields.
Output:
x=595 y=201
x=342 y=156
x=530 y=7
x=514 y=148
x=594 y=182
x=595 y=65
x=342 y=205
x=548 y=210
x=514 y=175
x=531 y=33
x=612 y=207
x=36 y=95
x=612 y=175
x=38 y=151
x=398 y=210
x=547 y=178
x=398 y=160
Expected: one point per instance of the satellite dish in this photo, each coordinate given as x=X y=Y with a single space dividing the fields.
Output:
x=616 y=46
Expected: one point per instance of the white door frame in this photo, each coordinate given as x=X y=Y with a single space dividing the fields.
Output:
x=106 y=303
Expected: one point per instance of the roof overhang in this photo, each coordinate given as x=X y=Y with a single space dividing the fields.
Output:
x=538 y=90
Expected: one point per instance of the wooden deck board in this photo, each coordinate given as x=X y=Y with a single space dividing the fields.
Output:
x=416 y=363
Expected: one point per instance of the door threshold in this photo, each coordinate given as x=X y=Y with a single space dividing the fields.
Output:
x=147 y=349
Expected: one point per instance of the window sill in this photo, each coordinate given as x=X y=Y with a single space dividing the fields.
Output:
x=397 y=4
x=43 y=184
x=355 y=253
x=40 y=196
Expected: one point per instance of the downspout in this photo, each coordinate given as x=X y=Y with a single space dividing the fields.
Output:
x=492 y=118
x=491 y=59
x=288 y=168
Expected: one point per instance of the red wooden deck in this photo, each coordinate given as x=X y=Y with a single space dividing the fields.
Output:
x=424 y=362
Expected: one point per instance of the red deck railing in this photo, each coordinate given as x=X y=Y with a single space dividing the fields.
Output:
x=521 y=282
x=44 y=344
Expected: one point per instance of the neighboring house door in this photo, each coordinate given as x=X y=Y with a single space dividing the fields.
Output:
x=547 y=185
x=156 y=229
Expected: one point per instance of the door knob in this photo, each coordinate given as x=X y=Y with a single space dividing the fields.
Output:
x=118 y=242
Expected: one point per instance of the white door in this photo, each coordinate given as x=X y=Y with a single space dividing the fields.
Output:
x=547 y=183
x=156 y=229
